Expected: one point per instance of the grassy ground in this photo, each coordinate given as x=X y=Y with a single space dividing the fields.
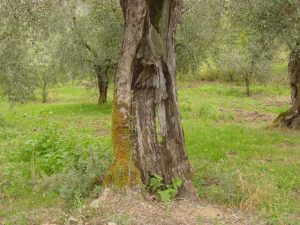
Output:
x=52 y=155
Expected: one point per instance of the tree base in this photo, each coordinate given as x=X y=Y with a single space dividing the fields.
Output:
x=123 y=174
x=188 y=191
x=289 y=119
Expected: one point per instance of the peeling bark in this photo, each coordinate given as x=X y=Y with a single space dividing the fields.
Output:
x=291 y=118
x=145 y=94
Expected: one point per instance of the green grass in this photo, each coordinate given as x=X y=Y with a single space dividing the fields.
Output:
x=51 y=155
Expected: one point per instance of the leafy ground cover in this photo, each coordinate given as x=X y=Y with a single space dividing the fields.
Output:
x=52 y=156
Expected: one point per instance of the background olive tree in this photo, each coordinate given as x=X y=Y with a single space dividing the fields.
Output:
x=44 y=43
x=277 y=24
x=199 y=34
x=96 y=33
x=30 y=45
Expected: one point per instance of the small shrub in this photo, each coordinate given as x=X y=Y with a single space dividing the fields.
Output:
x=50 y=151
x=62 y=162
x=209 y=73
x=166 y=193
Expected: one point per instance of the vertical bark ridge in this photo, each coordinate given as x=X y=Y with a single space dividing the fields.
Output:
x=123 y=170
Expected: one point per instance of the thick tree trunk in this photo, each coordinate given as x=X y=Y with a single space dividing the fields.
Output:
x=146 y=121
x=291 y=118
x=102 y=83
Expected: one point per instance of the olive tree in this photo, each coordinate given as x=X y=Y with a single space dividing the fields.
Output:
x=199 y=33
x=26 y=30
x=147 y=133
x=47 y=63
x=245 y=51
x=15 y=74
x=285 y=23
x=280 y=21
x=96 y=31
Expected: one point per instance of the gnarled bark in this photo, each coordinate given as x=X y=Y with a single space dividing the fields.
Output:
x=147 y=128
x=291 y=118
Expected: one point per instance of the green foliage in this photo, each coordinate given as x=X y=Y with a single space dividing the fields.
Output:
x=23 y=66
x=50 y=151
x=57 y=162
x=44 y=43
x=199 y=34
x=46 y=164
x=155 y=183
x=270 y=20
x=96 y=34
x=166 y=193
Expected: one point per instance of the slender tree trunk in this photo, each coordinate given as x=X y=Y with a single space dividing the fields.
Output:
x=147 y=134
x=291 y=118
x=102 y=83
x=44 y=90
x=247 y=83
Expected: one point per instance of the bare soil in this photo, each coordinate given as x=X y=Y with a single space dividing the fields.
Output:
x=251 y=116
x=135 y=207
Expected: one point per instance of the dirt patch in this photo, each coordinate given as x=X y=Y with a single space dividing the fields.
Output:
x=273 y=101
x=40 y=216
x=251 y=117
x=96 y=125
x=289 y=145
x=135 y=208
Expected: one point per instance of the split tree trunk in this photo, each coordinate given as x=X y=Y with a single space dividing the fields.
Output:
x=291 y=118
x=102 y=83
x=147 y=134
